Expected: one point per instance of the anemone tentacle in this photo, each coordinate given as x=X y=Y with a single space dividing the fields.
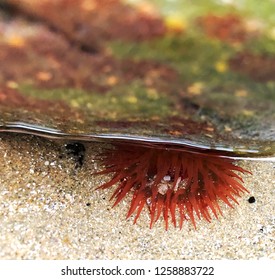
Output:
x=176 y=185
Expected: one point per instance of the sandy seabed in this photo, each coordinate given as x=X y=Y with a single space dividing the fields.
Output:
x=49 y=209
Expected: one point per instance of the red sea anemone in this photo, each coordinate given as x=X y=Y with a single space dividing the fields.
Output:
x=175 y=184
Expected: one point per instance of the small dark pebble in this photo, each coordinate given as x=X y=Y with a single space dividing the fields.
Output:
x=88 y=204
x=261 y=229
x=251 y=199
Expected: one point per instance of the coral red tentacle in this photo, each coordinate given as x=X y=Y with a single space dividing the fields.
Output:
x=174 y=184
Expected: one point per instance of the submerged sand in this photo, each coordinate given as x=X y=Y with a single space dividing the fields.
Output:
x=50 y=210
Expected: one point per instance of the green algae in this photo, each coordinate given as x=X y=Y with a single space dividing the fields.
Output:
x=193 y=55
x=123 y=102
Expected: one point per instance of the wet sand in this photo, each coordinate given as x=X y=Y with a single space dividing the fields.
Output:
x=51 y=210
